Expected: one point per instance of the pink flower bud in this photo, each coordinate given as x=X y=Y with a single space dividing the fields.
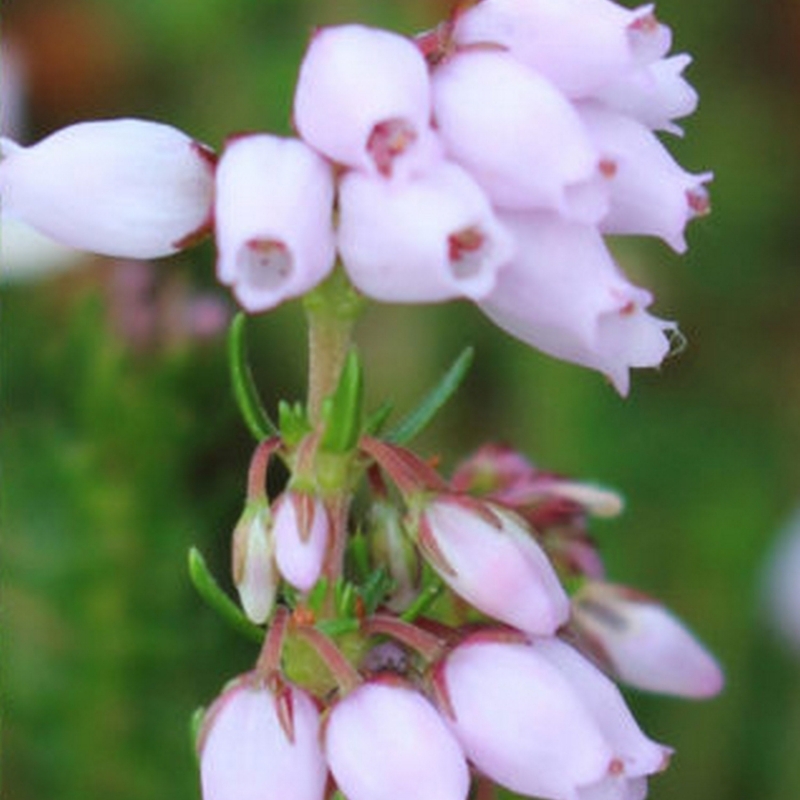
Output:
x=577 y=44
x=564 y=294
x=654 y=94
x=254 y=572
x=257 y=745
x=301 y=532
x=273 y=215
x=387 y=742
x=425 y=239
x=491 y=560
x=636 y=755
x=363 y=98
x=516 y=134
x=643 y=643
x=520 y=721
x=124 y=187
x=649 y=192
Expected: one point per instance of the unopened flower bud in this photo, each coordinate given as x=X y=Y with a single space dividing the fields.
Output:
x=254 y=572
x=642 y=643
x=126 y=187
x=487 y=556
x=392 y=549
x=301 y=532
x=520 y=721
x=257 y=744
x=385 y=741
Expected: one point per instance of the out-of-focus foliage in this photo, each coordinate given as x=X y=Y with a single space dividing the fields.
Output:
x=122 y=448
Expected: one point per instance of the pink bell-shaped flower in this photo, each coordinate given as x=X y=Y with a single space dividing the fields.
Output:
x=421 y=240
x=487 y=556
x=126 y=187
x=577 y=44
x=520 y=721
x=385 y=741
x=564 y=295
x=649 y=192
x=642 y=643
x=273 y=217
x=253 y=559
x=363 y=98
x=301 y=532
x=256 y=745
x=518 y=136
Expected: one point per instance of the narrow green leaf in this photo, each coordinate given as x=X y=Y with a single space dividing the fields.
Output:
x=375 y=588
x=244 y=388
x=337 y=627
x=430 y=405
x=293 y=422
x=378 y=418
x=343 y=413
x=423 y=601
x=208 y=588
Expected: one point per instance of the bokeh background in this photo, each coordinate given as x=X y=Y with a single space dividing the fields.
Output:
x=121 y=445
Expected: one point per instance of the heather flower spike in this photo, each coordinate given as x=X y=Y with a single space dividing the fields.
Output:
x=416 y=625
x=126 y=187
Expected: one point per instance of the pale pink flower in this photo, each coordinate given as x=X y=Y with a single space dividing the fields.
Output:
x=301 y=530
x=519 y=137
x=385 y=741
x=273 y=218
x=520 y=721
x=487 y=556
x=256 y=745
x=363 y=98
x=253 y=562
x=635 y=754
x=642 y=643
x=426 y=239
x=579 y=45
x=125 y=187
x=654 y=94
x=649 y=192
x=564 y=294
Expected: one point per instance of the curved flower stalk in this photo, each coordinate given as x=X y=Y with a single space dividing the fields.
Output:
x=482 y=161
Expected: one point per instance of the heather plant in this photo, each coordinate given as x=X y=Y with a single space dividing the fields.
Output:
x=420 y=633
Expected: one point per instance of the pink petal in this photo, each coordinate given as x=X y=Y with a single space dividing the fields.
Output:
x=363 y=97
x=273 y=213
x=502 y=571
x=300 y=554
x=515 y=132
x=520 y=722
x=564 y=295
x=650 y=193
x=421 y=240
x=125 y=187
x=577 y=44
x=644 y=644
x=246 y=753
x=387 y=742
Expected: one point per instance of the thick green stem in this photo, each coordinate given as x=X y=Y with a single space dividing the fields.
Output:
x=332 y=309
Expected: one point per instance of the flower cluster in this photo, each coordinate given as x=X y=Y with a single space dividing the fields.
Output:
x=484 y=160
x=495 y=681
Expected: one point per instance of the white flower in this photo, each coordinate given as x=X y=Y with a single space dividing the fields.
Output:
x=302 y=532
x=123 y=187
x=253 y=562
x=273 y=217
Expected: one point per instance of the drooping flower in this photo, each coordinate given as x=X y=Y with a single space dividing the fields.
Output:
x=273 y=218
x=125 y=187
x=301 y=532
x=259 y=745
x=253 y=562
x=642 y=643
x=385 y=741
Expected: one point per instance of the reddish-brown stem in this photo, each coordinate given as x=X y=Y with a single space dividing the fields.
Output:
x=430 y=647
x=269 y=660
x=343 y=672
x=257 y=473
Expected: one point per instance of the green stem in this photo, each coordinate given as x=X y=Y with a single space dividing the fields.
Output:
x=332 y=309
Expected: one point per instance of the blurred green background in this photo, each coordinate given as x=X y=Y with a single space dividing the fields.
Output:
x=121 y=445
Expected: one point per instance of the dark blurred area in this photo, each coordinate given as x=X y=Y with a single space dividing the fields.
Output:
x=121 y=444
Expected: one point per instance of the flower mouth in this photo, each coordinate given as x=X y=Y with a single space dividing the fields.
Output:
x=467 y=251
x=264 y=264
x=388 y=140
